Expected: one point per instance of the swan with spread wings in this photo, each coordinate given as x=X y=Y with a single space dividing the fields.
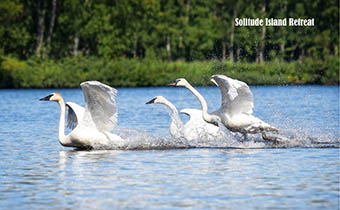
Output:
x=91 y=125
x=236 y=110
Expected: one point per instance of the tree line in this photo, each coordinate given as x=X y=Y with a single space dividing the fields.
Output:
x=167 y=30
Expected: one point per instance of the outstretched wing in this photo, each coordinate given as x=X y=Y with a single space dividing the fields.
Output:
x=75 y=114
x=236 y=95
x=101 y=108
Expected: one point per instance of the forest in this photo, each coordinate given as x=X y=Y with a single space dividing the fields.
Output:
x=60 y=43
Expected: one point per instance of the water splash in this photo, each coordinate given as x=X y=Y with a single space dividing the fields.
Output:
x=302 y=138
x=141 y=140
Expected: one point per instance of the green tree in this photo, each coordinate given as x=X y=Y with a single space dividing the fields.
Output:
x=14 y=36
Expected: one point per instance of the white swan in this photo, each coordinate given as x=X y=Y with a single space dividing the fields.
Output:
x=196 y=128
x=236 y=108
x=91 y=125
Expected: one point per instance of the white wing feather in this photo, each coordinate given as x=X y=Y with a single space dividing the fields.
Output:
x=195 y=115
x=101 y=108
x=196 y=128
x=236 y=95
x=196 y=119
x=75 y=114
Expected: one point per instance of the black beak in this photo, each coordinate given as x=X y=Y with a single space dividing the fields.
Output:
x=152 y=101
x=47 y=98
x=172 y=84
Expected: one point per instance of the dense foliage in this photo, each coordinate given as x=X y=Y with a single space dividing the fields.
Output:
x=70 y=72
x=58 y=43
x=166 y=29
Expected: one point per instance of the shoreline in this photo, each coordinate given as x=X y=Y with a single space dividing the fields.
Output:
x=70 y=72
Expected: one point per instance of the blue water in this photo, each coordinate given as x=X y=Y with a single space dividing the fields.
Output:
x=37 y=173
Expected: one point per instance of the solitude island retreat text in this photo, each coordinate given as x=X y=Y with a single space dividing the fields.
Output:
x=274 y=22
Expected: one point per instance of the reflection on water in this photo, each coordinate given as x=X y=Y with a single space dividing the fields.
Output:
x=208 y=178
x=37 y=173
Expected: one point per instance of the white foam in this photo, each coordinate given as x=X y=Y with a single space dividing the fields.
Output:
x=141 y=140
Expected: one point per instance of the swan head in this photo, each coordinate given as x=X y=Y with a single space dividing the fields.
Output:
x=157 y=100
x=181 y=82
x=52 y=97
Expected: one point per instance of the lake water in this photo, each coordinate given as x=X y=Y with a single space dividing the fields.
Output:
x=38 y=173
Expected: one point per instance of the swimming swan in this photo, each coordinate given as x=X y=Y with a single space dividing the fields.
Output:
x=91 y=125
x=196 y=128
x=236 y=108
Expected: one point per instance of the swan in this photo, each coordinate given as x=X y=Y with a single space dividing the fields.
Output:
x=91 y=125
x=196 y=128
x=236 y=109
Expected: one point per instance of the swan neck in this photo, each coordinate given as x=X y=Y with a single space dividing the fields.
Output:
x=206 y=116
x=176 y=122
x=61 y=133
x=199 y=97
